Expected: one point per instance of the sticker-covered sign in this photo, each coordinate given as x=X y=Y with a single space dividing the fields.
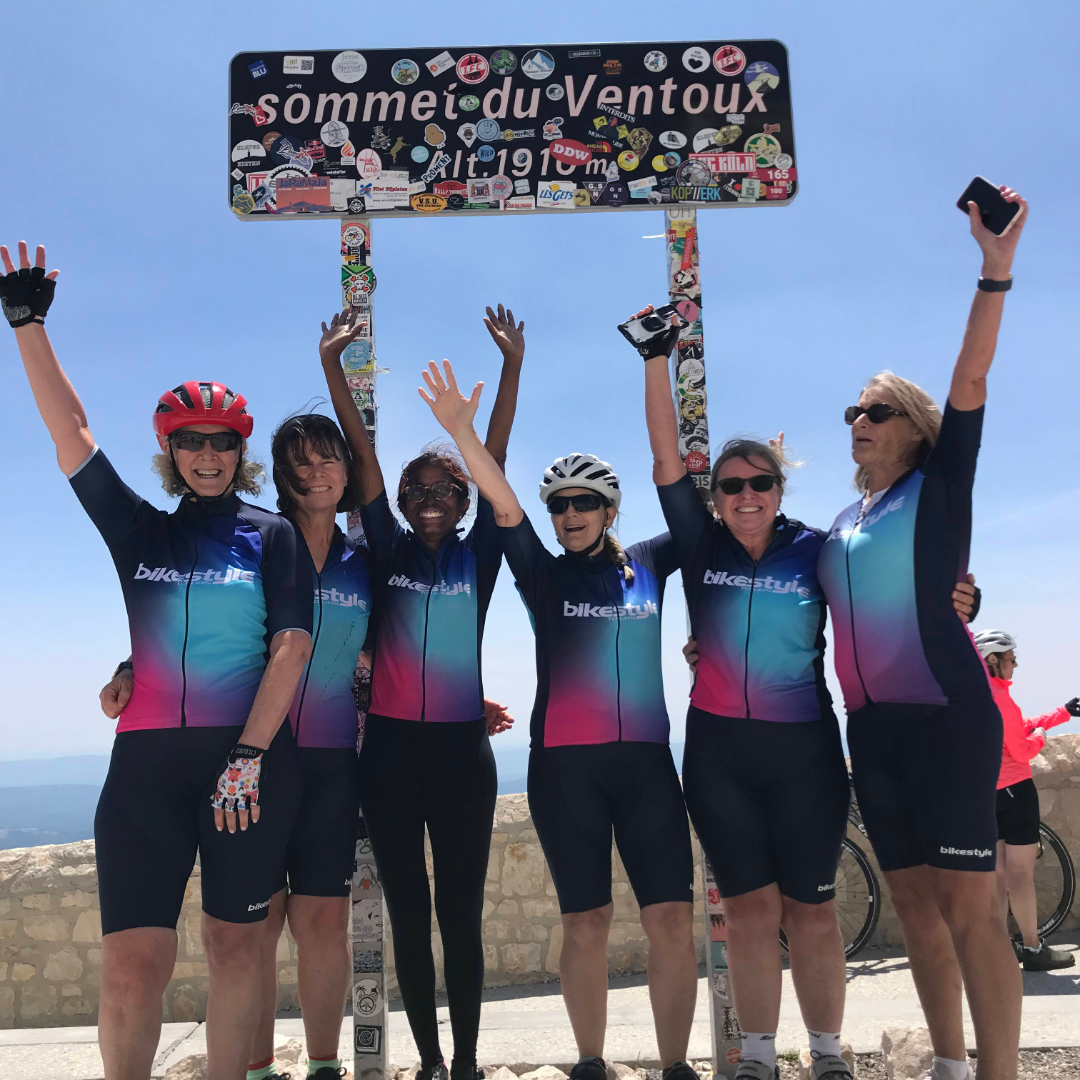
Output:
x=390 y=128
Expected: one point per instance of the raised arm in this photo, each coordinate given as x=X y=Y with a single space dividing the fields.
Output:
x=26 y=294
x=660 y=406
x=510 y=338
x=455 y=412
x=343 y=329
x=968 y=389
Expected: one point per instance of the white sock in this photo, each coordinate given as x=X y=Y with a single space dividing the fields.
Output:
x=760 y=1046
x=824 y=1043
x=950 y=1069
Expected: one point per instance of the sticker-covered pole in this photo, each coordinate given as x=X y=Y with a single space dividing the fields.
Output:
x=691 y=407
x=368 y=935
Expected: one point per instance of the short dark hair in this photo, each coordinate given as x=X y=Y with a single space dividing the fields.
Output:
x=442 y=457
x=322 y=436
x=746 y=449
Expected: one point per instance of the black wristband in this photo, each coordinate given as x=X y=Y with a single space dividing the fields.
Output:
x=990 y=285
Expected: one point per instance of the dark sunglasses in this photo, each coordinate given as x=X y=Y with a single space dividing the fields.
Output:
x=733 y=485
x=440 y=492
x=878 y=413
x=194 y=441
x=559 y=504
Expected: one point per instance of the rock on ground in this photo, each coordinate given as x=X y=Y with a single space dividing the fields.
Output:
x=545 y=1072
x=845 y=1052
x=502 y=1073
x=907 y=1052
x=189 y=1068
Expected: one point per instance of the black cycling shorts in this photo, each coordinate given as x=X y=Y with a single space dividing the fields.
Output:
x=926 y=777
x=769 y=802
x=154 y=815
x=1018 y=813
x=580 y=795
x=322 y=847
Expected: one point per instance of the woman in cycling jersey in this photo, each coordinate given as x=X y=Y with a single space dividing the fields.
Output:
x=426 y=758
x=600 y=761
x=1018 y=802
x=923 y=730
x=219 y=609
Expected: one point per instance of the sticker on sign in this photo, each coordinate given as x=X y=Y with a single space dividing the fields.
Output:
x=718 y=164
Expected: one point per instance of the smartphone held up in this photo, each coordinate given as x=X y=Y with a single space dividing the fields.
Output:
x=996 y=211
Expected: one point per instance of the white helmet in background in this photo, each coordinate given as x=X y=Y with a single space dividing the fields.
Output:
x=581 y=471
x=993 y=641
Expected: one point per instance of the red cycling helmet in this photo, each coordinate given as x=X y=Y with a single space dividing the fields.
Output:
x=202 y=403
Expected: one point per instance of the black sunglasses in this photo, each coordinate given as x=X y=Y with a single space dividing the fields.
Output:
x=439 y=492
x=194 y=441
x=558 y=504
x=878 y=413
x=733 y=485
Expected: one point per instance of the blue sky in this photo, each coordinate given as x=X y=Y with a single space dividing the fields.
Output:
x=115 y=138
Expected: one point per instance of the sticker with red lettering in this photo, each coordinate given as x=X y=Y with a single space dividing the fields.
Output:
x=729 y=59
x=571 y=151
x=473 y=68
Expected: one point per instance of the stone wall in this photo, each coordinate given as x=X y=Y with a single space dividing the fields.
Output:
x=50 y=928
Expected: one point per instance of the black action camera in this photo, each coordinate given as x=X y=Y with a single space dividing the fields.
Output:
x=641 y=331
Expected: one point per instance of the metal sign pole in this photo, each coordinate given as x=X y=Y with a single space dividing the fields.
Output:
x=368 y=915
x=691 y=407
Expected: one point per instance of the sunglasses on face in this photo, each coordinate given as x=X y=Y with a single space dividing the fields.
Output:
x=878 y=413
x=194 y=441
x=733 y=485
x=558 y=504
x=440 y=492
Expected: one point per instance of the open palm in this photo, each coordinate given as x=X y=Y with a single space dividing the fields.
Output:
x=508 y=335
x=343 y=329
x=451 y=408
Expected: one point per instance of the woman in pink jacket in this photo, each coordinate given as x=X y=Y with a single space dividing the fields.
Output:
x=1018 y=801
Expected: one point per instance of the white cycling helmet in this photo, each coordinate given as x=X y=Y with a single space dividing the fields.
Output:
x=581 y=471
x=993 y=641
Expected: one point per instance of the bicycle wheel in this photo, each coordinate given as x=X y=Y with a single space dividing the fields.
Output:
x=1055 y=881
x=858 y=898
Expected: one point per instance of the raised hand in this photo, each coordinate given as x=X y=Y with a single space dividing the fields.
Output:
x=662 y=343
x=26 y=293
x=451 y=408
x=508 y=335
x=343 y=329
x=777 y=444
x=998 y=251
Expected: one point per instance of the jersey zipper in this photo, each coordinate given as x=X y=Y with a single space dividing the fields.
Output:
x=618 y=658
x=423 y=663
x=851 y=604
x=314 y=643
x=746 y=649
x=187 y=628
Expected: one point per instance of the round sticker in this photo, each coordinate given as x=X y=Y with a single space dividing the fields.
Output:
x=269 y=139
x=283 y=150
x=472 y=68
x=503 y=62
x=555 y=92
x=628 y=161
x=420 y=153
x=734 y=1055
x=502 y=187
x=455 y=202
x=783 y=161
x=673 y=140
x=334 y=133
x=617 y=194
x=486 y=153
x=405 y=72
x=727 y=134
x=354 y=236
x=672 y=160
x=521 y=157
x=243 y=203
x=766 y=147
x=655 y=60
x=703 y=140
x=690 y=312
x=729 y=59
x=761 y=76
x=349 y=66
x=368 y=164
x=658 y=163
x=538 y=64
x=696 y=461
x=694 y=174
x=469 y=102
x=487 y=129
x=695 y=59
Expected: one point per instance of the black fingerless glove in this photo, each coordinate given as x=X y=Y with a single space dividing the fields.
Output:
x=661 y=345
x=1073 y=706
x=25 y=295
x=976 y=603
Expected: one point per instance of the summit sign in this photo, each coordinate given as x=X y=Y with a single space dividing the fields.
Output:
x=676 y=123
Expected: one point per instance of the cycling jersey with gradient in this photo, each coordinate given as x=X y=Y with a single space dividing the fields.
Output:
x=323 y=711
x=431 y=611
x=888 y=570
x=597 y=640
x=759 y=626
x=206 y=587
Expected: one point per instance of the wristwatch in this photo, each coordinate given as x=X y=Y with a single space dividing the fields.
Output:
x=990 y=285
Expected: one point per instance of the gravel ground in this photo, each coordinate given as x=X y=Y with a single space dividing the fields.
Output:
x=1034 y=1065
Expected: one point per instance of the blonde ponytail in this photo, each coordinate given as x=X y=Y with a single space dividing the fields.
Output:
x=617 y=554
